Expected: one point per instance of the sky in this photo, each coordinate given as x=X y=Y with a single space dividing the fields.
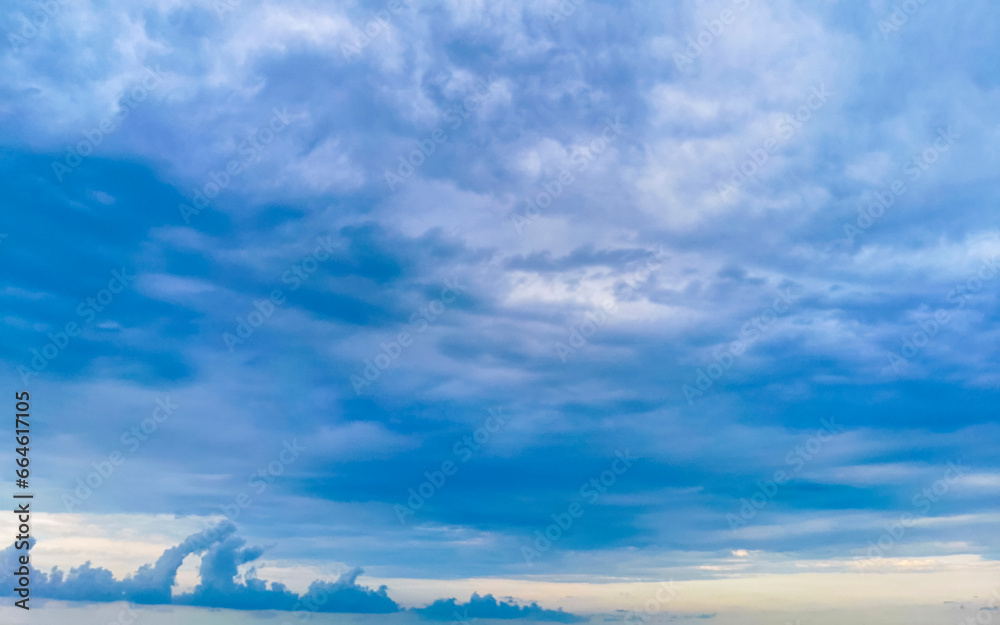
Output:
x=594 y=304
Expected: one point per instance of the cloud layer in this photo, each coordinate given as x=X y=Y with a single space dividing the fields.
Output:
x=222 y=585
x=280 y=263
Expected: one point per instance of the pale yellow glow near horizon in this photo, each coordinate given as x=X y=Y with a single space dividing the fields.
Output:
x=122 y=543
x=794 y=591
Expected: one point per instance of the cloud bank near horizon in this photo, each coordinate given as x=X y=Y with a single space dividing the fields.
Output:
x=222 y=586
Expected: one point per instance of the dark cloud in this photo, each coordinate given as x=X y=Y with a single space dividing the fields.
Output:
x=219 y=588
x=222 y=553
x=345 y=595
x=488 y=607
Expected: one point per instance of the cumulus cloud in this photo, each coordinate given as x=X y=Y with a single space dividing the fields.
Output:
x=220 y=589
x=151 y=584
x=345 y=595
x=488 y=607
x=222 y=586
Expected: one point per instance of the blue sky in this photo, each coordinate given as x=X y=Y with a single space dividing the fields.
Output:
x=488 y=250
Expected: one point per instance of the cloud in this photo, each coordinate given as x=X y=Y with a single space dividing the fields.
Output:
x=219 y=588
x=151 y=584
x=488 y=607
x=345 y=595
x=222 y=586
